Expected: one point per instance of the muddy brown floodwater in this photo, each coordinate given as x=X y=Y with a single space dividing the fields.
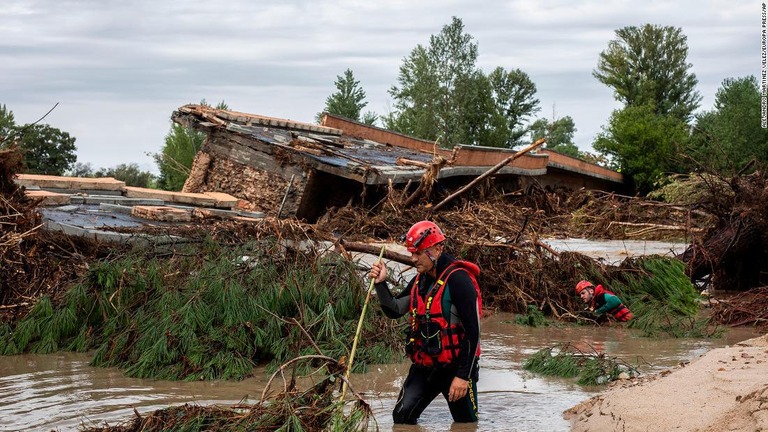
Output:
x=61 y=391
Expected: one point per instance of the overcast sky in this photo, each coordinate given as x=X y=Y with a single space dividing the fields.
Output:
x=118 y=69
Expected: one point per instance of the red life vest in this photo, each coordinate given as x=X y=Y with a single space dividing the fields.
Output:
x=432 y=339
x=620 y=312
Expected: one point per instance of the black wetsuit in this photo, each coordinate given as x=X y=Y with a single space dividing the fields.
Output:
x=423 y=383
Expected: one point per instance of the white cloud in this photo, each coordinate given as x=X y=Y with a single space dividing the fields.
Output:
x=119 y=69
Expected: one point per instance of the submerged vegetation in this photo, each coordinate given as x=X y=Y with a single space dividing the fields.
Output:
x=208 y=311
x=664 y=303
x=661 y=297
x=567 y=361
x=532 y=318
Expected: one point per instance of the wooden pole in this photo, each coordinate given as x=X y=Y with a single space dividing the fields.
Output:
x=488 y=173
x=357 y=335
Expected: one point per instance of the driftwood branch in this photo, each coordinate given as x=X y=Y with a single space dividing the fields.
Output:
x=285 y=196
x=428 y=179
x=646 y=227
x=13 y=306
x=547 y=247
x=487 y=174
x=416 y=194
x=405 y=161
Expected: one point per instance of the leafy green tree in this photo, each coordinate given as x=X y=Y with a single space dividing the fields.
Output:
x=430 y=82
x=347 y=101
x=175 y=160
x=644 y=144
x=370 y=118
x=727 y=137
x=47 y=150
x=131 y=174
x=80 y=169
x=483 y=122
x=559 y=134
x=442 y=95
x=7 y=123
x=514 y=100
x=647 y=66
x=178 y=153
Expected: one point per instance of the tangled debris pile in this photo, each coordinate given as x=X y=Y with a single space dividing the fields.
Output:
x=503 y=234
x=314 y=408
x=746 y=308
x=501 y=231
x=733 y=254
x=34 y=262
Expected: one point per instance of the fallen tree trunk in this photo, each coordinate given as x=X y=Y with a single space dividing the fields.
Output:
x=375 y=250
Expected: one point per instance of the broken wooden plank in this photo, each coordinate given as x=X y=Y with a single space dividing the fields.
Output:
x=48 y=198
x=223 y=200
x=61 y=182
x=162 y=213
x=204 y=213
x=169 y=196
x=405 y=161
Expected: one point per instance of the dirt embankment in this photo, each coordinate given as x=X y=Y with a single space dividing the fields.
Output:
x=724 y=390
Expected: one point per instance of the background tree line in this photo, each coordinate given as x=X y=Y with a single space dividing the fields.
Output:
x=50 y=151
x=442 y=95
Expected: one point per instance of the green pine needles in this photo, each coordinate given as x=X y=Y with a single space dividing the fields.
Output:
x=532 y=318
x=662 y=299
x=207 y=312
x=568 y=362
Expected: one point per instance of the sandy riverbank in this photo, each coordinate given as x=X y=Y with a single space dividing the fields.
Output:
x=724 y=390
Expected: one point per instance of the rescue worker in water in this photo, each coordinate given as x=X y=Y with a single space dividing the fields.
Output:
x=444 y=306
x=601 y=301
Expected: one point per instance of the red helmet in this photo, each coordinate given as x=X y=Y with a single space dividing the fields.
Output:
x=583 y=284
x=422 y=235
